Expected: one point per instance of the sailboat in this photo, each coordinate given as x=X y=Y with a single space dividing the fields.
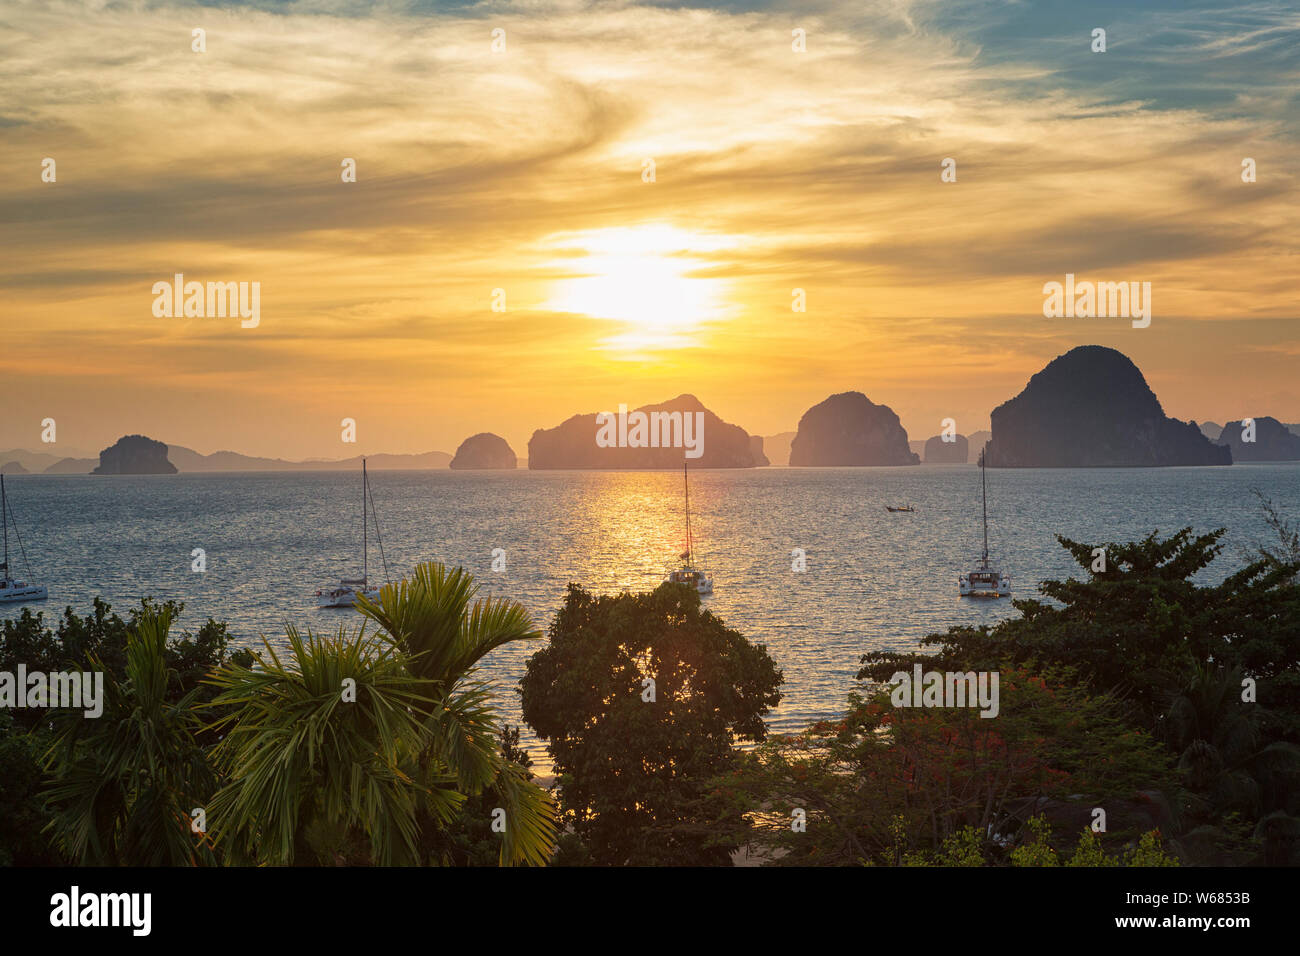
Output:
x=344 y=594
x=985 y=581
x=688 y=573
x=11 y=591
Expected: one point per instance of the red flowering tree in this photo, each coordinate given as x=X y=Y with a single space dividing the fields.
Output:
x=886 y=782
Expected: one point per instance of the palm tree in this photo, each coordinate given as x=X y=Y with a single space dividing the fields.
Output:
x=314 y=751
x=429 y=618
x=361 y=748
x=126 y=783
x=1221 y=748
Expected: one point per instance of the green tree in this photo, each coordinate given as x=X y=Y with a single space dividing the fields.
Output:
x=363 y=748
x=906 y=785
x=314 y=752
x=102 y=635
x=124 y=784
x=23 y=817
x=1141 y=626
x=635 y=761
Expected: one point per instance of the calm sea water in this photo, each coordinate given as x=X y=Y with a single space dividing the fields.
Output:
x=874 y=580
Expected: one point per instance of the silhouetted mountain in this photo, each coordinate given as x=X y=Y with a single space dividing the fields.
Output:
x=777 y=447
x=135 y=455
x=72 y=466
x=940 y=452
x=849 y=429
x=976 y=442
x=917 y=445
x=484 y=451
x=187 y=460
x=1210 y=430
x=756 y=449
x=13 y=468
x=33 y=461
x=1091 y=408
x=573 y=444
x=1273 y=441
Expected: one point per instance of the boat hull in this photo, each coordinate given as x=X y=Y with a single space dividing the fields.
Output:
x=703 y=583
x=968 y=586
x=344 y=597
x=18 y=593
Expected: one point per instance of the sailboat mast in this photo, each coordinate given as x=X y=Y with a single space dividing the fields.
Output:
x=687 y=482
x=365 y=548
x=4 y=519
x=984 y=493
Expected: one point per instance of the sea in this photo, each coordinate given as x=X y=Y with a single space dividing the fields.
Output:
x=874 y=580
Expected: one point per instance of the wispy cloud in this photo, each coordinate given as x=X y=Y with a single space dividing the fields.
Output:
x=818 y=169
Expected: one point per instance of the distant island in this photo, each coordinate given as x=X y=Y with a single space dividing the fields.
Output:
x=1092 y=408
x=849 y=429
x=1271 y=441
x=135 y=455
x=573 y=443
x=940 y=452
x=72 y=466
x=776 y=448
x=188 y=460
x=484 y=451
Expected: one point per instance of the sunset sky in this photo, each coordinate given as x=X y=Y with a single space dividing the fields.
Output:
x=522 y=170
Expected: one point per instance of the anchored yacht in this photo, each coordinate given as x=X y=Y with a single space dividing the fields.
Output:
x=11 y=590
x=688 y=573
x=985 y=580
x=344 y=594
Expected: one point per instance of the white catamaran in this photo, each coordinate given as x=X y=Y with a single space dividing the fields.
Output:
x=11 y=591
x=985 y=581
x=344 y=594
x=688 y=573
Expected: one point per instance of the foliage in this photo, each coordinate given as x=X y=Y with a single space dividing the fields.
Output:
x=23 y=818
x=312 y=773
x=429 y=619
x=1286 y=551
x=1089 y=851
x=633 y=772
x=1035 y=850
x=103 y=635
x=1149 y=852
x=885 y=783
x=124 y=784
x=468 y=840
x=362 y=749
x=1177 y=652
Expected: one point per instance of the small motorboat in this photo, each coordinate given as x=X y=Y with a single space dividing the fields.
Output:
x=907 y=508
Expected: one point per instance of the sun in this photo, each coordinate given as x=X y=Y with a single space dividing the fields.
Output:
x=643 y=277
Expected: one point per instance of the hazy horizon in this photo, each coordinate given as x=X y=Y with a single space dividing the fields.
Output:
x=522 y=170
